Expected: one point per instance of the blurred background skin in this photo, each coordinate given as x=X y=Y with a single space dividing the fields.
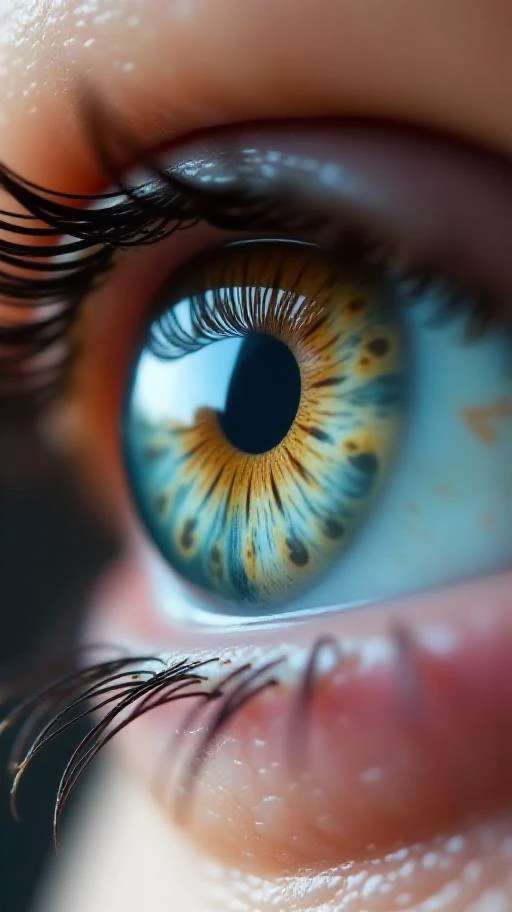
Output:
x=51 y=550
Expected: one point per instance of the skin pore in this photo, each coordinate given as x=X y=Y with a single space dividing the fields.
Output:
x=166 y=69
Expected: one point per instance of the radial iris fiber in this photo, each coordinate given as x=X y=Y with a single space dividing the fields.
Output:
x=249 y=520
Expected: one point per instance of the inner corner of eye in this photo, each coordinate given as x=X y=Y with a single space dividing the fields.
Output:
x=265 y=411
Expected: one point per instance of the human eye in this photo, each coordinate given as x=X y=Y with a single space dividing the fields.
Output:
x=302 y=409
x=278 y=392
x=254 y=474
x=309 y=395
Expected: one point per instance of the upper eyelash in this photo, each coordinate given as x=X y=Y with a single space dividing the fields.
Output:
x=56 y=278
x=53 y=279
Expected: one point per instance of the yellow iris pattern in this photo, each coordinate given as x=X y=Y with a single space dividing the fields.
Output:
x=257 y=527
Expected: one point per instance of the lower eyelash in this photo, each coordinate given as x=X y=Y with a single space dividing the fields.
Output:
x=128 y=687
x=125 y=690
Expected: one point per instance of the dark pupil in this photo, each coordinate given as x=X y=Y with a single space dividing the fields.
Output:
x=263 y=395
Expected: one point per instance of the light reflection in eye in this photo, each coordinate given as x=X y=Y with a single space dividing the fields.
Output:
x=284 y=398
x=273 y=400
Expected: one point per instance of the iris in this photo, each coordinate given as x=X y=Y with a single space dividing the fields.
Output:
x=266 y=409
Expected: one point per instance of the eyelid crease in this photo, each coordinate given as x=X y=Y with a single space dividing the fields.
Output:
x=57 y=278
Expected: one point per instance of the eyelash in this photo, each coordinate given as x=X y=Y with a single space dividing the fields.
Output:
x=132 y=690
x=128 y=218
x=56 y=278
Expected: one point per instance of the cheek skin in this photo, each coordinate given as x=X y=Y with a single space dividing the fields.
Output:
x=119 y=855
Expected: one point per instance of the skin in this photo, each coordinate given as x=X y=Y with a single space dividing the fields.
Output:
x=167 y=69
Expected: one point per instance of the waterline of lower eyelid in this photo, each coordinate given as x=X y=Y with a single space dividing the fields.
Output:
x=366 y=652
x=184 y=609
x=437 y=617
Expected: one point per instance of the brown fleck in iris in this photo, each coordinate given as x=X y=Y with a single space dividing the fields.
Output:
x=483 y=420
x=255 y=527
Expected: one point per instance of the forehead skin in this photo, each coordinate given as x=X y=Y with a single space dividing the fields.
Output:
x=175 y=65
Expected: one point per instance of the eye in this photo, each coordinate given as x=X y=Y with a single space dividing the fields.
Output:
x=301 y=433
x=319 y=416
x=266 y=409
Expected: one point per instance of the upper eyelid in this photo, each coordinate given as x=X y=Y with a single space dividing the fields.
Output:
x=127 y=217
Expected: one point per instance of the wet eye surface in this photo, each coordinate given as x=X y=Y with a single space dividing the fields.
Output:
x=299 y=435
x=266 y=410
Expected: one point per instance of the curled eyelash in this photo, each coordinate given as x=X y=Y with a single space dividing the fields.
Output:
x=116 y=692
x=298 y=728
x=56 y=248
x=61 y=246
x=122 y=690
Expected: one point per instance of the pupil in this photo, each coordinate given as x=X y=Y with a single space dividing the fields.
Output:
x=263 y=395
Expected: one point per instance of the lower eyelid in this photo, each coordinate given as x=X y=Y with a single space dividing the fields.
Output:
x=430 y=721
